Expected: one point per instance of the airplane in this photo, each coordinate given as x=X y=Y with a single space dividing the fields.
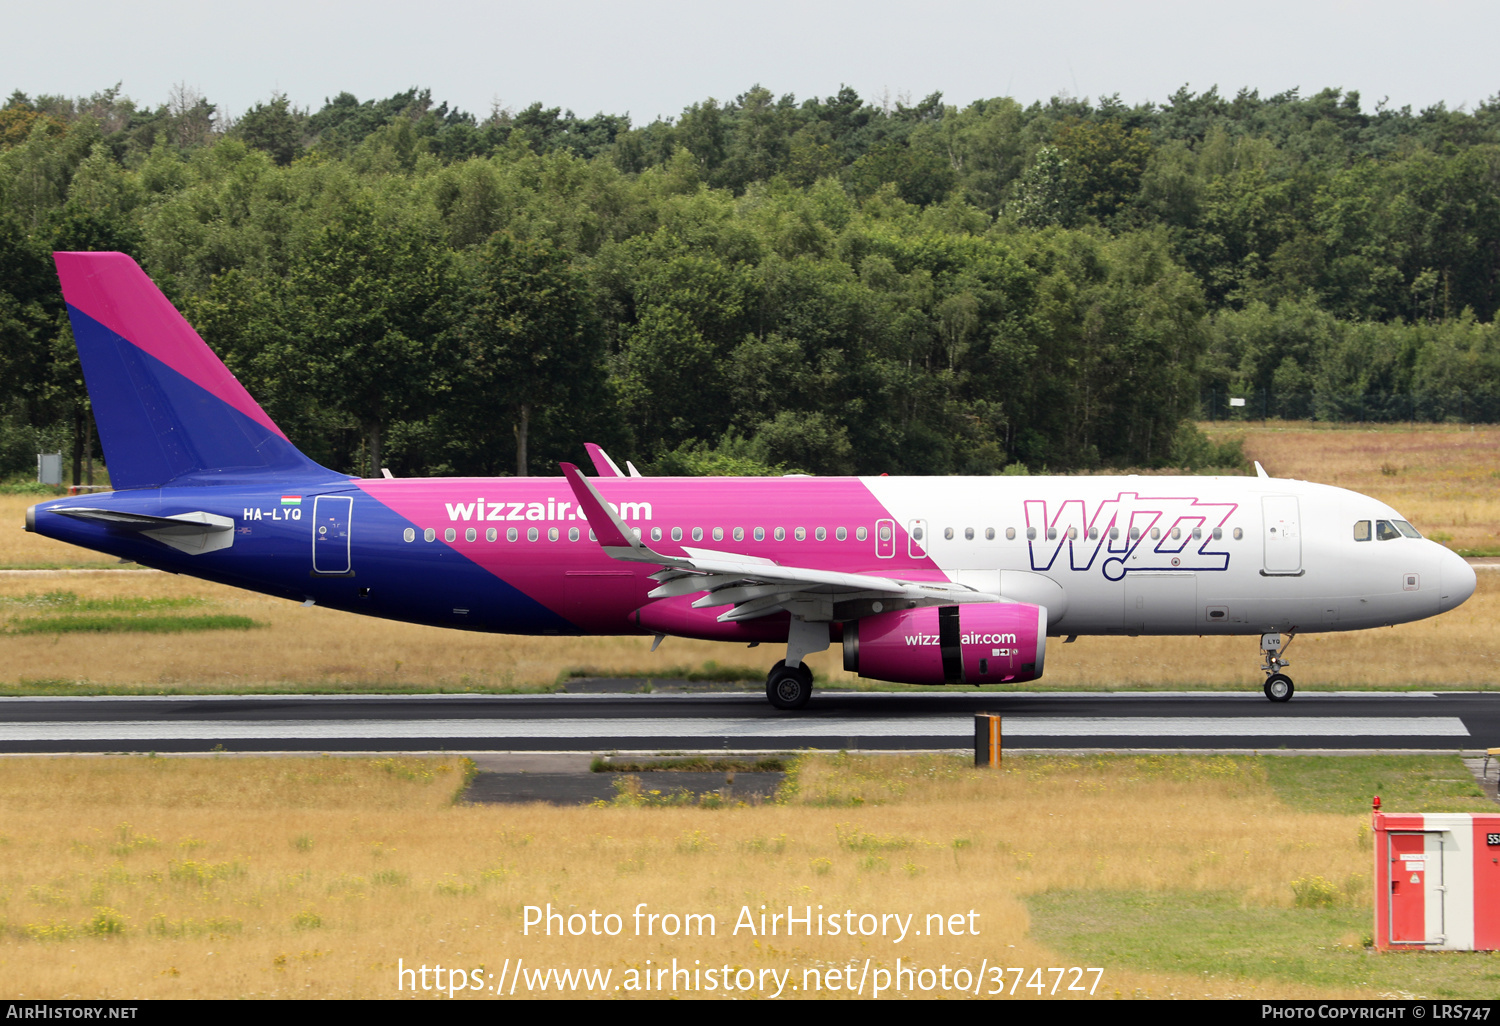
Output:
x=920 y=580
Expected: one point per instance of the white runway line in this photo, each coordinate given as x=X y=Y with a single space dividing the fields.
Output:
x=743 y=727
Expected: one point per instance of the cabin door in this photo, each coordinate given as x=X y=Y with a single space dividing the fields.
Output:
x=331 y=514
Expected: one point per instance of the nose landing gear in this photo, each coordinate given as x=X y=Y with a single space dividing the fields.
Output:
x=1279 y=687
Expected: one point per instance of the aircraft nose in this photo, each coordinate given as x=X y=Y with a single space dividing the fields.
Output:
x=1456 y=581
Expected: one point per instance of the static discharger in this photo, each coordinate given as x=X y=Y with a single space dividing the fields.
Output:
x=986 y=740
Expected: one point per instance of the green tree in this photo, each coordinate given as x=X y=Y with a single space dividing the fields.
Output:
x=524 y=339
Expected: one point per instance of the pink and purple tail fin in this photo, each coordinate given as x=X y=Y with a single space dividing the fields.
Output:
x=166 y=406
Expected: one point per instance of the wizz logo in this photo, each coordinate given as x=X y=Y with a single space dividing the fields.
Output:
x=1129 y=532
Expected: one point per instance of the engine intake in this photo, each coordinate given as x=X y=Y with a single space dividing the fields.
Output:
x=978 y=643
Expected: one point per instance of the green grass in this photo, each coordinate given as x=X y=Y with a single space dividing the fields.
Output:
x=1213 y=934
x=45 y=686
x=67 y=601
x=1346 y=783
x=708 y=672
x=72 y=615
x=693 y=764
x=83 y=624
x=1478 y=553
x=1210 y=934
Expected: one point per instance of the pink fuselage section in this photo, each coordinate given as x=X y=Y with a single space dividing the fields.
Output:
x=530 y=533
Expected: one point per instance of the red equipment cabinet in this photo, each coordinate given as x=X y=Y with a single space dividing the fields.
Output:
x=1437 y=881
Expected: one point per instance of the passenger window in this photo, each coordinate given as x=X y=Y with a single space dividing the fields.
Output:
x=1385 y=532
x=656 y=534
x=1052 y=534
x=572 y=534
x=409 y=535
x=491 y=534
x=860 y=534
x=1218 y=533
x=510 y=534
x=470 y=534
x=739 y=534
x=1031 y=534
x=947 y=534
x=552 y=534
x=1361 y=530
x=677 y=534
x=989 y=533
x=531 y=534
x=1155 y=533
x=780 y=534
x=1010 y=534
x=968 y=534
x=697 y=534
x=1114 y=534
x=1197 y=533
x=841 y=534
x=1406 y=529
x=450 y=534
x=718 y=534
x=1176 y=534
x=1135 y=533
x=800 y=534
x=1072 y=534
x=1093 y=534
x=591 y=535
x=916 y=532
x=1239 y=532
x=760 y=534
x=821 y=534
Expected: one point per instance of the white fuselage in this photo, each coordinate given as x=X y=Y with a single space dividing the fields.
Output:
x=1249 y=555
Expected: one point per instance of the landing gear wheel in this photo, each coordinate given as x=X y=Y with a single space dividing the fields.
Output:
x=1279 y=688
x=788 y=687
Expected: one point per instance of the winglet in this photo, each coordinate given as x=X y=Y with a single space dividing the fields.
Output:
x=603 y=465
x=617 y=539
x=1260 y=471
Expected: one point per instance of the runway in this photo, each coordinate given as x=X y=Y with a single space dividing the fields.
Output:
x=1445 y=722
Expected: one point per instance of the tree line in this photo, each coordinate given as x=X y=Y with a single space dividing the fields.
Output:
x=764 y=285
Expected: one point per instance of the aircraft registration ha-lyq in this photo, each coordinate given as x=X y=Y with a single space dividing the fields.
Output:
x=934 y=580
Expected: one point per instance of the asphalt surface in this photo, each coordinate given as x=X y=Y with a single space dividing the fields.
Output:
x=716 y=722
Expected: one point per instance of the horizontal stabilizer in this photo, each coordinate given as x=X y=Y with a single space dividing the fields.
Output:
x=193 y=533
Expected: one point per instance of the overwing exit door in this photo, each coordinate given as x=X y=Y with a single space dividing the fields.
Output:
x=331 y=515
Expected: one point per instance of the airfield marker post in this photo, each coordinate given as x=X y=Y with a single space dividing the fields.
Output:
x=987 y=740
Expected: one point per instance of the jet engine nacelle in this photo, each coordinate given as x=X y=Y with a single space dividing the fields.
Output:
x=978 y=643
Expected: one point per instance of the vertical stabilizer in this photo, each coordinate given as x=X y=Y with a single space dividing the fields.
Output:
x=166 y=406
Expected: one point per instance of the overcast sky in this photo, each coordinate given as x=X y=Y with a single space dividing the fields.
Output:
x=654 y=57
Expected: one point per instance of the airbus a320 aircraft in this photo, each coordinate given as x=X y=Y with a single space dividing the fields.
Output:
x=921 y=580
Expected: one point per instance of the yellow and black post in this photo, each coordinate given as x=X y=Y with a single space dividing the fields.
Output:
x=987 y=740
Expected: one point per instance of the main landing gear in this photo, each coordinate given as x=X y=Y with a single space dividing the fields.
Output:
x=789 y=687
x=1279 y=686
x=789 y=684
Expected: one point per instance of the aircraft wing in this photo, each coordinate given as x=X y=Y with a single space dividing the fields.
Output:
x=754 y=586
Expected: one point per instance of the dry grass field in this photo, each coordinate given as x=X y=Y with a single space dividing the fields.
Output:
x=140 y=877
x=1444 y=478
x=299 y=648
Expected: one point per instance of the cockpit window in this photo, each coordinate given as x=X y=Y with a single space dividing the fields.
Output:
x=1385 y=531
x=1361 y=530
x=1406 y=529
